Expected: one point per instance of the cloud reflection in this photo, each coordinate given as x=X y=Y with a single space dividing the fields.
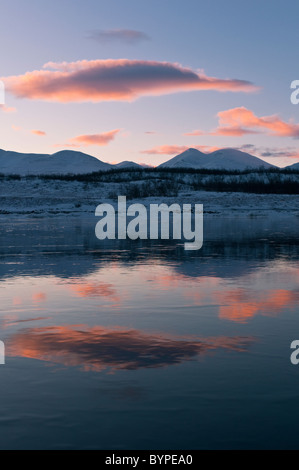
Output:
x=99 y=348
x=244 y=305
x=97 y=289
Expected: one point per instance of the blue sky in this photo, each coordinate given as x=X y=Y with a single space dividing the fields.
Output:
x=254 y=42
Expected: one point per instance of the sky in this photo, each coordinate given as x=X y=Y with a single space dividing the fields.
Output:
x=143 y=81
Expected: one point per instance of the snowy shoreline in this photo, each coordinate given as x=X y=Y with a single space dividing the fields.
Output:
x=39 y=198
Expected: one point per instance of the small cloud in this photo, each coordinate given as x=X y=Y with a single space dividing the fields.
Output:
x=237 y=122
x=165 y=150
x=271 y=152
x=16 y=128
x=126 y=36
x=93 y=139
x=248 y=146
x=7 y=109
x=234 y=131
x=243 y=121
x=176 y=149
x=195 y=133
x=33 y=131
x=37 y=132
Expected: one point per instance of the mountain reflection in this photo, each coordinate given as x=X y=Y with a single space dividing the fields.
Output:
x=71 y=250
x=99 y=348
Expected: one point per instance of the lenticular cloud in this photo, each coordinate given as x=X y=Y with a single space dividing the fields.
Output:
x=118 y=80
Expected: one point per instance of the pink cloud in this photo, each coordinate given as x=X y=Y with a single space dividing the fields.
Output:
x=176 y=149
x=165 y=150
x=37 y=132
x=94 y=139
x=237 y=122
x=120 y=80
x=196 y=133
x=245 y=121
x=233 y=131
x=16 y=128
x=7 y=109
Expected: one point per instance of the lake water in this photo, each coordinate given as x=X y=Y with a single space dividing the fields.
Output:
x=142 y=345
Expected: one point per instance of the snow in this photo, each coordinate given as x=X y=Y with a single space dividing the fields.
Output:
x=39 y=198
x=228 y=159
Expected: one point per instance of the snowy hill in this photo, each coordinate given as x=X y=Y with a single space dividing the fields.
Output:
x=227 y=159
x=295 y=166
x=126 y=165
x=191 y=158
x=64 y=162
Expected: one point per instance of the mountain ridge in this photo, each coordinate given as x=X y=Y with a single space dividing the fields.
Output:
x=74 y=162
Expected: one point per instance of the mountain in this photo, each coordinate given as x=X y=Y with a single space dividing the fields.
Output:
x=127 y=165
x=295 y=166
x=64 y=162
x=227 y=159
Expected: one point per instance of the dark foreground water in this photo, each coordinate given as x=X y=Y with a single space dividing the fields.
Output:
x=130 y=345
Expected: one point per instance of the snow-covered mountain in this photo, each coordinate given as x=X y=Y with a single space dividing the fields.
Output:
x=64 y=162
x=191 y=158
x=227 y=159
x=295 y=166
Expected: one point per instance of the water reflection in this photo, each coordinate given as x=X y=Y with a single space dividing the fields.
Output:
x=241 y=274
x=99 y=348
x=69 y=249
x=113 y=337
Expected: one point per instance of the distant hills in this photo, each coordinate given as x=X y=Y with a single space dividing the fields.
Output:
x=72 y=162
x=227 y=159
x=65 y=162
